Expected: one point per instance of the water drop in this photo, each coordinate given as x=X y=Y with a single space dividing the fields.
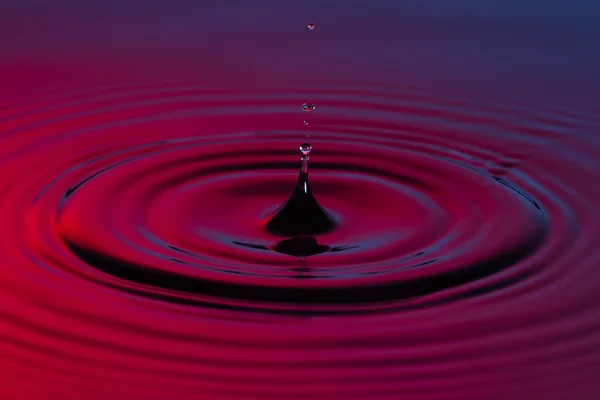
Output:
x=311 y=26
x=305 y=122
x=301 y=214
x=305 y=148
x=308 y=106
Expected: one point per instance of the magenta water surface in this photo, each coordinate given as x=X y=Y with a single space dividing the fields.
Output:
x=162 y=239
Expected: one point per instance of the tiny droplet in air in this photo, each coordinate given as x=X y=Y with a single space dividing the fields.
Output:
x=305 y=122
x=311 y=26
x=308 y=107
x=305 y=148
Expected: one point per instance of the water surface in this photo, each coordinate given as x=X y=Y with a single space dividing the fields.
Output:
x=143 y=147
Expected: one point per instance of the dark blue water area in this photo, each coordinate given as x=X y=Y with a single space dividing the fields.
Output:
x=549 y=43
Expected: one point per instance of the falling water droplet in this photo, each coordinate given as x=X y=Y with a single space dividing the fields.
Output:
x=305 y=148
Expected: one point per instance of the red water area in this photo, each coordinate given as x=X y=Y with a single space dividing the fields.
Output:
x=144 y=147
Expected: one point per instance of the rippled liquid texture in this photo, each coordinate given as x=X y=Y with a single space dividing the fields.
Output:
x=143 y=149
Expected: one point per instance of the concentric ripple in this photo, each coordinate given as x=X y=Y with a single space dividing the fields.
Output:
x=138 y=222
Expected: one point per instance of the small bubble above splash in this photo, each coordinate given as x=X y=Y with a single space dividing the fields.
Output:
x=311 y=27
x=305 y=122
x=308 y=107
x=305 y=148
